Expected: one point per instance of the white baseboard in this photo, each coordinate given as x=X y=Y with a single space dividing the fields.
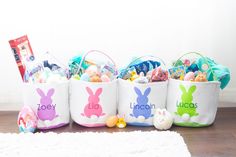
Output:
x=10 y=106
x=228 y=95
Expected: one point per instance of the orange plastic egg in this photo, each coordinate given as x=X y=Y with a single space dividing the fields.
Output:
x=95 y=78
x=111 y=121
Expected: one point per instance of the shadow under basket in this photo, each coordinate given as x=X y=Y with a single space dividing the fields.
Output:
x=50 y=103
x=193 y=104
x=92 y=103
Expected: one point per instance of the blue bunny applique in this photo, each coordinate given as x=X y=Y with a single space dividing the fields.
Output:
x=142 y=108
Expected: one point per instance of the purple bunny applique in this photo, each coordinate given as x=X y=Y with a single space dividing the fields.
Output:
x=46 y=110
x=142 y=108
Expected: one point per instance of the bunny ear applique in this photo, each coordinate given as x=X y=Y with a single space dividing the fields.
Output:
x=137 y=91
x=192 y=89
x=147 y=91
x=98 y=92
x=182 y=88
x=89 y=91
x=40 y=92
x=50 y=92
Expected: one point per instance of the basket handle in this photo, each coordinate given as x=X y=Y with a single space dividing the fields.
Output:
x=150 y=56
x=100 y=52
x=204 y=58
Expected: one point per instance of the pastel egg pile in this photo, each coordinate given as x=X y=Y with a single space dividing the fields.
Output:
x=95 y=73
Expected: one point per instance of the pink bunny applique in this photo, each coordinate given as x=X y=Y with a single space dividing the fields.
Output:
x=46 y=110
x=93 y=107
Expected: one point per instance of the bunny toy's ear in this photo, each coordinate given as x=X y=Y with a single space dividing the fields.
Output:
x=182 y=88
x=137 y=91
x=50 y=92
x=98 y=92
x=40 y=92
x=192 y=89
x=147 y=91
x=89 y=91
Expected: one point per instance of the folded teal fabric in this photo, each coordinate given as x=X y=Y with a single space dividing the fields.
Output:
x=217 y=72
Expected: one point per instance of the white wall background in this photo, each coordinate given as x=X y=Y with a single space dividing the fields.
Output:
x=123 y=29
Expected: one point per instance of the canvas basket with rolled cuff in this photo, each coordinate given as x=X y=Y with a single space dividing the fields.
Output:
x=137 y=102
x=193 y=104
x=91 y=103
x=50 y=103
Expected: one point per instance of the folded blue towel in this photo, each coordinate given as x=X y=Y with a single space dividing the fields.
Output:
x=217 y=72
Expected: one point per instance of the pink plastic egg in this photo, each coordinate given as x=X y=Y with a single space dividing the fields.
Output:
x=189 y=76
x=105 y=78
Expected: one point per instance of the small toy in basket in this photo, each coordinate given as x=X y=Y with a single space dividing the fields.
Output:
x=193 y=96
x=142 y=88
x=93 y=90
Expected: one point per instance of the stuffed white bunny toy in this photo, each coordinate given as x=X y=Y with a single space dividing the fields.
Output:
x=162 y=119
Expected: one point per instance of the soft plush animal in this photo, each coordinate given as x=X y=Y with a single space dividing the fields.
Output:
x=141 y=79
x=121 y=122
x=201 y=77
x=162 y=119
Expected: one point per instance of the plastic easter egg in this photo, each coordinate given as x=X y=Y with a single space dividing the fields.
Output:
x=95 y=78
x=27 y=120
x=105 y=78
x=92 y=70
x=76 y=77
x=44 y=76
x=187 y=62
x=85 y=77
x=190 y=76
x=111 y=121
